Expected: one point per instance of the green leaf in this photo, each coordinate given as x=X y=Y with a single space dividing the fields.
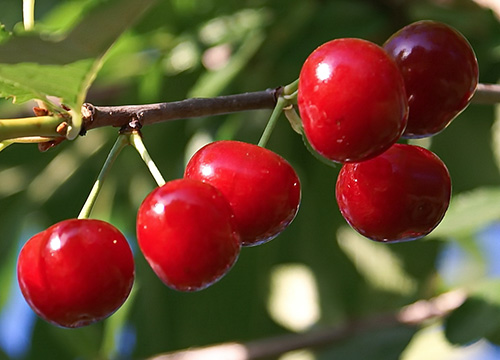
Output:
x=478 y=317
x=36 y=66
x=469 y=212
x=26 y=81
x=65 y=15
x=472 y=321
x=494 y=336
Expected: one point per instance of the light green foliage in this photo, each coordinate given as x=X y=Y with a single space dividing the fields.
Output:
x=37 y=65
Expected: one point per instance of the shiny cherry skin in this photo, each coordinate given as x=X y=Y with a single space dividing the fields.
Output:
x=262 y=187
x=399 y=195
x=187 y=233
x=76 y=272
x=352 y=100
x=440 y=71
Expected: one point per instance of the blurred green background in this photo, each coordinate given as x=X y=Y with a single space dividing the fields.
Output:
x=318 y=272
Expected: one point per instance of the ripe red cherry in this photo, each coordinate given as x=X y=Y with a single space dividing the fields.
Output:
x=186 y=232
x=76 y=272
x=352 y=100
x=399 y=195
x=440 y=71
x=262 y=187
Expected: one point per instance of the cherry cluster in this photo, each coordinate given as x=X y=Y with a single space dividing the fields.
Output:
x=190 y=231
x=233 y=194
x=357 y=99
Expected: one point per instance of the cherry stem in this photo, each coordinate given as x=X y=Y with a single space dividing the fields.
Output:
x=5 y=144
x=291 y=89
x=119 y=144
x=294 y=119
x=273 y=119
x=45 y=126
x=135 y=138
x=28 y=14
x=296 y=123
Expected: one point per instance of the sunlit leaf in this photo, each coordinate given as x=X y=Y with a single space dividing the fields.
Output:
x=376 y=262
x=470 y=211
x=34 y=65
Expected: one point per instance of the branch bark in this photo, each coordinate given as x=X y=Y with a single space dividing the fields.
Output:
x=487 y=94
x=411 y=315
x=118 y=116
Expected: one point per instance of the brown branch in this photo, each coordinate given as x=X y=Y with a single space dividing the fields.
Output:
x=487 y=94
x=119 y=116
x=411 y=315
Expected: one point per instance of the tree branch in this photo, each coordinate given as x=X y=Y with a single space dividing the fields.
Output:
x=487 y=94
x=118 y=116
x=411 y=315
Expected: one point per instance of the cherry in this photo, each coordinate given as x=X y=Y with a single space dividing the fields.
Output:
x=186 y=231
x=352 y=100
x=262 y=187
x=399 y=195
x=76 y=272
x=440 y=71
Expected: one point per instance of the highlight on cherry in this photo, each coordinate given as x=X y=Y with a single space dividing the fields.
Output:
x=354 y=103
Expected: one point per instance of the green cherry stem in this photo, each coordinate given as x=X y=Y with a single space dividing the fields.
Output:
x=5 y=144
x=135 y=138
x=291 y=89
x=29 y=127
x=28 y=14
x=296 y=124
x=119 y=144
x=283 y=102
x=273 y=119
x=294 y=119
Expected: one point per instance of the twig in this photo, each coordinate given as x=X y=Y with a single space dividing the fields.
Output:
x=411 y=315
x=487 y=94
x=118 y=116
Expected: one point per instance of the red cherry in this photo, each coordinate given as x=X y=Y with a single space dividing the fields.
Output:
x=262 y=187
x=186 y=232
x=399 y=195
x=352 y=100
x=440 y=71
x=76 y=272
